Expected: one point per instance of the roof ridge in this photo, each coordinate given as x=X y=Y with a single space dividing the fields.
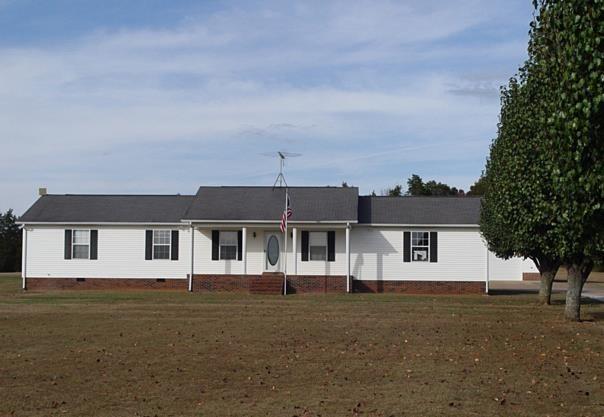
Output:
x=118 y=195
x=270 y=186
x=461 y=197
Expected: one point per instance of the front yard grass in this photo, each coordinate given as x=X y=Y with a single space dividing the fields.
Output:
x=180 y=354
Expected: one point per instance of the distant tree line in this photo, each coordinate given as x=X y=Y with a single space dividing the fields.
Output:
x=417 y=187
x=10 y=243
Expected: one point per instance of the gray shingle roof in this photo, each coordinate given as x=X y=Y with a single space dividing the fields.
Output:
x=419 y=210
x=267 y=203
x=108 y=208
x=254 y=203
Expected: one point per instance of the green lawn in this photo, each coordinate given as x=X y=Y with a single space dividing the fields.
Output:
x=181 y=354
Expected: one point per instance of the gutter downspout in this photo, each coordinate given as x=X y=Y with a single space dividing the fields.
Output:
x=244 y=249
x=24 y=260
x=192 y=257
x=486 y=283
x=348 y=257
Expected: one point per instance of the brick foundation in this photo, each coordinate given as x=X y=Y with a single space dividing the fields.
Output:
x=223 y=283
x=531 y=276
x=301 y=284
x=40 y=284
x=296 y=284
x=419 y=287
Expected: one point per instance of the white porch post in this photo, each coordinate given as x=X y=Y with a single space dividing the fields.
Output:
x=24 y=259
x=295 y=248
x=192 y=258
x=348 y=257
x=244 y=249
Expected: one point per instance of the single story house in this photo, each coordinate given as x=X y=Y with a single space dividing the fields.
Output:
x=228 y=239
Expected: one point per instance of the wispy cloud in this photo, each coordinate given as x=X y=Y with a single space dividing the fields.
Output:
x=365 y=90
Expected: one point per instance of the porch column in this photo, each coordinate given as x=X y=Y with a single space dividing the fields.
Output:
x=24 y=259
x=244 y=249
x=192 y=257
x=348 y=257
x=295 y=248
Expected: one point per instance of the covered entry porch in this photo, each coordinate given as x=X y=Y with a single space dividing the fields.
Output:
x=240 y=257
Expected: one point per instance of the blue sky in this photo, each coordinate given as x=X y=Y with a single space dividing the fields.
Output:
x=160 y=97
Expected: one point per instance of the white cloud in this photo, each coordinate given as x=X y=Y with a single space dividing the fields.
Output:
x=354 y=86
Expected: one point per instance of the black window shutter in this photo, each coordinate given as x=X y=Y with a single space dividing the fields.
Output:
x=407 y=247
x=174 y=249
x=331 y=246
x=304 y=245
x=67 y=243
x=433 y=247
x=94 y=244
x=239 y=245
x=215 y=244
x=148 y=244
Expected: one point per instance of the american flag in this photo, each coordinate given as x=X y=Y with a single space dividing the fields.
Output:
x=287 y=213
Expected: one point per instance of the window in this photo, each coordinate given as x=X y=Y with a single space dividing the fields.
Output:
x=228 y=245
x=420 y=246
x=317 y=242
x=80 y=244
x=161 y=244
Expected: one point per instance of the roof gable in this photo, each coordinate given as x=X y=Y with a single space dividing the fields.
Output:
x=309 y=204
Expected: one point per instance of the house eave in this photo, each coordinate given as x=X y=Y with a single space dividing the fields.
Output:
x=275 y=223
x=92 y=223
x=473 y=226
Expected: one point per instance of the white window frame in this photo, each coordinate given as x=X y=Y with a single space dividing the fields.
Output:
x=222 y=244
x=73 y=244
x=169 y=244
x=310 y=246
x=426 y=247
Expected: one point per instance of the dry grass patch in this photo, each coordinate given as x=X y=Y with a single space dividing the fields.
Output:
x=180 y=354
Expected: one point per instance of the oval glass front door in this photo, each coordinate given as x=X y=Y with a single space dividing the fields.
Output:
x=272 y=250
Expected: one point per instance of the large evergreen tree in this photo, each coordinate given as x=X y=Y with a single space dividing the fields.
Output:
x=568 y=55
x=545 y=177
x=516 y=215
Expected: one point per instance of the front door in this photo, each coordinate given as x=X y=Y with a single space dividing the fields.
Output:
x=272 y=251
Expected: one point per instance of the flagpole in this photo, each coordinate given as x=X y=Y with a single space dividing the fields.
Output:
x=285 y=245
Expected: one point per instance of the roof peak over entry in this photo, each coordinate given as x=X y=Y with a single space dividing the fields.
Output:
x=254 y=203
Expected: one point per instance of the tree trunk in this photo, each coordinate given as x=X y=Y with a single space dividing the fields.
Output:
x=545 y=288
x=577 y=275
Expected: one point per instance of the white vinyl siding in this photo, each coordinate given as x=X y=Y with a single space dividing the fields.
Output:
x=509 y=269
x=121 y=254
x=319 y=267
x=462 y=256
x=375 y=254
x=256 y=255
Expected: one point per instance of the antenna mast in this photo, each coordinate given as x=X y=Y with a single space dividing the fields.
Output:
x=280 y=178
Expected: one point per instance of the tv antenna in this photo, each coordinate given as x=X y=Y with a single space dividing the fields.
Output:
x=282 y=155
